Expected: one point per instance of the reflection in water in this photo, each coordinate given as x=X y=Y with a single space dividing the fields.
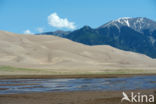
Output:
x=76 y=84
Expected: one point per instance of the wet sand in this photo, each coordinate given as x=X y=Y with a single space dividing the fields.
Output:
x=77 y=97
x=73 y=97
x=71 y=76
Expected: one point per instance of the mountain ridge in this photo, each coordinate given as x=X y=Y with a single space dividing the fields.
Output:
x=52 y=52
x=130 y=34
x=138 y=24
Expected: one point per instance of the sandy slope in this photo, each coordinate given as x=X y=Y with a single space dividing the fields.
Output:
x=51 y=52
x=77 y=97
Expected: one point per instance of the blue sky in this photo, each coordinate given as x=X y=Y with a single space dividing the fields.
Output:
x=21 y=16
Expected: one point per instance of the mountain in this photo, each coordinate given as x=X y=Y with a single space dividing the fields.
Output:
x=129 y=34
x=139 y=24
x=59 y=33
x=59 y=54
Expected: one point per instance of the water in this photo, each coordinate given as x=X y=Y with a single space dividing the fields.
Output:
x=11 y=86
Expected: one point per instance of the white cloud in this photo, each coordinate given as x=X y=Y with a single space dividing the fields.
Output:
x=40 y=29
x=27 y=32
x=55 y=21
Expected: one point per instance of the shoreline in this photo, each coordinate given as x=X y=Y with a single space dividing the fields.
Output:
x=71 y=76
x=73 y=97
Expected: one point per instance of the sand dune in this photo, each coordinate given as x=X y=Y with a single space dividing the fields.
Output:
x=51 y=52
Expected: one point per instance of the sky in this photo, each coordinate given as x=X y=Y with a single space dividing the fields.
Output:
x=35 y=16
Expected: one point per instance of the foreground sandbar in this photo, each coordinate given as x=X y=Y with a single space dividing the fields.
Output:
x=77 y=97
x=71 y=76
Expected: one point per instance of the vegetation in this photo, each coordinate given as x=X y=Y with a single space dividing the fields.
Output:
x=27 y=71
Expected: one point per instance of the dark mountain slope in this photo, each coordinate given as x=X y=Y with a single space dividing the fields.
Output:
x=130 y=34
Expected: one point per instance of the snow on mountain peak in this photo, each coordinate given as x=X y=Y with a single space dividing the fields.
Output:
x=139 y=23
x=123 y=18
x=124 y=21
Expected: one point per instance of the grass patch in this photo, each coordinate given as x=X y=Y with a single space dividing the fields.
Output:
x=12 y=69
x=153 y=81
x=15 y=70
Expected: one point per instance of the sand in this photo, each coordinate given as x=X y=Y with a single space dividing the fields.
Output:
x=55 y=55
x=79 y=97
x=71 y=76
x=72 y=97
